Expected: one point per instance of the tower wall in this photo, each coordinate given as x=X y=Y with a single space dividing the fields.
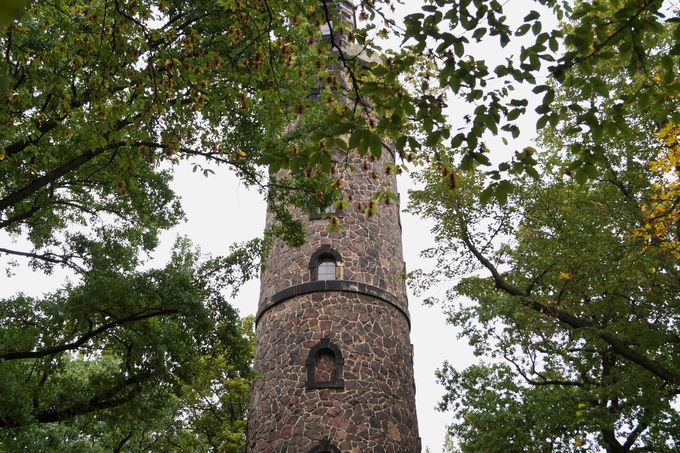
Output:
x=374 y=412
x=363 y=312
x=370 y=247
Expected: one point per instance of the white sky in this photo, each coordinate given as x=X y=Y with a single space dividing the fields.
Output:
x=221 y=212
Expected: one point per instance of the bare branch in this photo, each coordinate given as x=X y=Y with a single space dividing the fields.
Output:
x=543 y=381
x=47 y=257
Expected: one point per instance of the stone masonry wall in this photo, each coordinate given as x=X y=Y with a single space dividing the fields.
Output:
x=375 y=412
x=373 y=409
x=370 y=247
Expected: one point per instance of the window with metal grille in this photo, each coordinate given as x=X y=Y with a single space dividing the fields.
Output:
x=326 y=269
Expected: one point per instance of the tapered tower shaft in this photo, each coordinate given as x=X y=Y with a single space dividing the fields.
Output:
x=333 y=327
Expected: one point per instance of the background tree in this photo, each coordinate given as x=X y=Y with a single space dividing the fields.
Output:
x=102 y=101
x=113 y=360
x=443 y=40
x=577 y=319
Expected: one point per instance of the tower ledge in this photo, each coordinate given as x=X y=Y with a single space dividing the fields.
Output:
x=332 y=285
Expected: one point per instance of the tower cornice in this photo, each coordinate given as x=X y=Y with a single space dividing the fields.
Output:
x=332 y=285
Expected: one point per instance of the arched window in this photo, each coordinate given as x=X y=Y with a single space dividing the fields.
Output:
x=324 y=366
x=324 y=263
x=325 y=446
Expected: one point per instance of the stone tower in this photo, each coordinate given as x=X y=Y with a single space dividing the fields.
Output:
x=333 y=329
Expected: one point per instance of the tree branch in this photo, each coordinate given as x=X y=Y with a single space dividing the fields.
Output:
x=564 y=317
x=543 y=381
x=19 y=217
x=122 y=442
x=50 y=177
x=91 y=333
x=341 y=55
x=633 y=436
x=47 y=257
x=105 y=400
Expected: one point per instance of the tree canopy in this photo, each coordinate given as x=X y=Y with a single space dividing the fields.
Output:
x=112 y=360
x=405 y=95
x=103 y=100
x=568 y=287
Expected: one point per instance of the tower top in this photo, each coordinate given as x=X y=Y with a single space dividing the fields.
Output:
x=344 y=13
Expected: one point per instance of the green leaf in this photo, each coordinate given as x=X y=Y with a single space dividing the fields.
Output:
x=458 y=48
x=600 y=87
x=514 y=114
x=503 y=189
x=457 y=140
x=375 y=144
x=10 y=10
x=482 y=158
x=340 y=128
x=533 y=15
x=522 y=30
x=486 y=194
x=531 y=171
x=542 y=121
x=479 y=33
x=356 y=138
x=505 y=39
x=548 y=97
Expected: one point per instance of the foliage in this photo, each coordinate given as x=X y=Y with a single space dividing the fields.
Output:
x=135 y=347
x=482 y=52
x=578 y=316
x=498 y=414
x=106 y=97
x=102 y=102
x=661 y=208
x=583 y=309
x=103 y=99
